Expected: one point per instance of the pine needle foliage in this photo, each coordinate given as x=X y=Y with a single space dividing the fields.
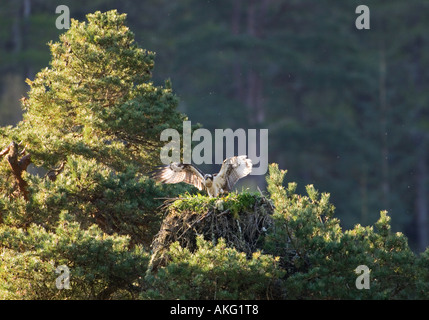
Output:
x=97 y=100
x=213 y=272
x=320 y=258
x=91 y=128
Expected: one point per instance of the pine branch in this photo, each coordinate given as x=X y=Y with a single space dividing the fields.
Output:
x=5 y=150
x=17 y=166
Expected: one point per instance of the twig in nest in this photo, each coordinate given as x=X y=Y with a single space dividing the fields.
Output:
x=194 y=223
x=166 y=202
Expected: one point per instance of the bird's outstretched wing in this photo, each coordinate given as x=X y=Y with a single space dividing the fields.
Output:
x=232 y=170
x=180 y=172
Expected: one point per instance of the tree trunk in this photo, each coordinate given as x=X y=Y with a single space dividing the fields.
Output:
x=237 y=68
x=422 y=203
x=385 y=186
x=364 y=194
x=256 y=13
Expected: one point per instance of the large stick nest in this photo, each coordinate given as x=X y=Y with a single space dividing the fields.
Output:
x=241 y=219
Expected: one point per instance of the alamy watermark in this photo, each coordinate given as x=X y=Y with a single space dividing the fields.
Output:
x=63 y=20
x=63 y=280
x=363 y=20
x=246 y=143
x=362 y=281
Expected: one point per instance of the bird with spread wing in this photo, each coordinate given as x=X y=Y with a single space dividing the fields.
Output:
x=232 y=170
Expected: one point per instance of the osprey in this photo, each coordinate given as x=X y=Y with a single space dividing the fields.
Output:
x=232 y=170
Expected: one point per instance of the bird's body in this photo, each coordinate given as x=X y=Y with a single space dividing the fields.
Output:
x=232 y=170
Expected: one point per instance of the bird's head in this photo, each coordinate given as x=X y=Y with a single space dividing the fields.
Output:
x=208 y=177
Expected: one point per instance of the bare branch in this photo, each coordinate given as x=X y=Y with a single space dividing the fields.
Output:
x=5 y=150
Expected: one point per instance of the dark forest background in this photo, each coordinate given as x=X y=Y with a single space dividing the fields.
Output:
x=346 y=109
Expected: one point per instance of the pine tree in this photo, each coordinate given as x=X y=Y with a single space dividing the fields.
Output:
x=91 y=132
x=321 y=258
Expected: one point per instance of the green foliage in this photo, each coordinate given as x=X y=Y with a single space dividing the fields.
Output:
x=91 y=124
x=96 y=99
x=234 y=202
x=96 y=113
x=100 y=265
x=214 y=272
x=321 y=258
x=118 y=202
